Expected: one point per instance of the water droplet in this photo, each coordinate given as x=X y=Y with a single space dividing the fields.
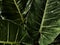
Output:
x=52 y=11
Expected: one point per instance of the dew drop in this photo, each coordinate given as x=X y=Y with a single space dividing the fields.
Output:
x=52 y=11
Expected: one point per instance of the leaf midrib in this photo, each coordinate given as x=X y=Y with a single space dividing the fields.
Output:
x=19 y=11
x=21 y=15
x=40 y=30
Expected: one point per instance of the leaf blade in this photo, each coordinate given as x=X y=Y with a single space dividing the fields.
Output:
x=49 y=25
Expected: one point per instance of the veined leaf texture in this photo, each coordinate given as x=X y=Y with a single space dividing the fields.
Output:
x=29 y=22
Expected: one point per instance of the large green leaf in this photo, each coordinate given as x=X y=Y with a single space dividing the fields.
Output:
x=50 y=25
x=12 y=22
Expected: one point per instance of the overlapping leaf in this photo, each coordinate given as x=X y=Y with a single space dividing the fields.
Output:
x=50 y=26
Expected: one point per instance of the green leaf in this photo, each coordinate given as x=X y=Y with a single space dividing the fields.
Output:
x=12 y=22
x=50 y=25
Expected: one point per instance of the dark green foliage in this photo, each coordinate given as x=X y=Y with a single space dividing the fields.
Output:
x=29 y=22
